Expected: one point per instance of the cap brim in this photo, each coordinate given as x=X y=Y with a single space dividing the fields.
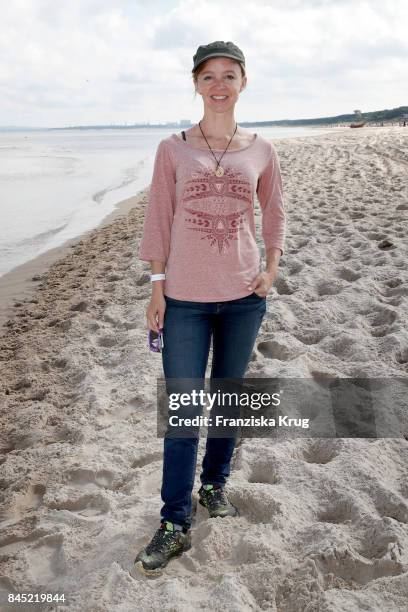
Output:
x=215 y=54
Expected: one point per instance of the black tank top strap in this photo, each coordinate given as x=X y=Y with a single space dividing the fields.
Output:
x=183 y=134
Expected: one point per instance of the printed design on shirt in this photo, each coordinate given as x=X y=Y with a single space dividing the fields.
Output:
x=217 y=206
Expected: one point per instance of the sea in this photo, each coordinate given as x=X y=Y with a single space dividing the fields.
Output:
x=57 y=184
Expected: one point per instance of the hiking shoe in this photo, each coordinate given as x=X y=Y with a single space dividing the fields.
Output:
x=166 y=543
x=214 y=498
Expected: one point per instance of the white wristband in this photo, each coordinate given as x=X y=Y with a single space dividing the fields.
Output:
x=155 y=277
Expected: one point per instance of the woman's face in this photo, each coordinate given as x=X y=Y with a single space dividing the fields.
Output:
x=220 y=76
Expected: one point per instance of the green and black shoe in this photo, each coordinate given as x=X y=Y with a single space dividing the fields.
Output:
x=214 y=498
x=166 y=543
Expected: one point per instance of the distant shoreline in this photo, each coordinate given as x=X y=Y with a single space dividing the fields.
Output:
x=242 y=124
x=290 y=123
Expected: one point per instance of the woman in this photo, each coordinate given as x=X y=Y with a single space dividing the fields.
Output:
x=199 y=235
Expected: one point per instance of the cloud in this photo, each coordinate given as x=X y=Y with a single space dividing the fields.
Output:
x=89 y=61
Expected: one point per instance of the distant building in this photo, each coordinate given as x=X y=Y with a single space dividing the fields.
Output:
x=184 y=122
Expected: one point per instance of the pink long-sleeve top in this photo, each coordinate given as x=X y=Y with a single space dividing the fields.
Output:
x=202 y=226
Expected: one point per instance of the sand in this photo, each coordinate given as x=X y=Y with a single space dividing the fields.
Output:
x=323 y=524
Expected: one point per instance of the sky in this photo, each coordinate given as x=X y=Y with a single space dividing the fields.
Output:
x=89 y=62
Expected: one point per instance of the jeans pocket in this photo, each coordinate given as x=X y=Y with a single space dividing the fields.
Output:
x=257 y=296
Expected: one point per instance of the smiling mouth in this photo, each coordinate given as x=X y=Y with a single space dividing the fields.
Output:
x=219 y=98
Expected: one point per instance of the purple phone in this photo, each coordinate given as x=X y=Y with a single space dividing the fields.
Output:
x=155 y=341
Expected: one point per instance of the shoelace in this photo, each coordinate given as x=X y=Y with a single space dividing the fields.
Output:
x=159 y=540
x=217 y=495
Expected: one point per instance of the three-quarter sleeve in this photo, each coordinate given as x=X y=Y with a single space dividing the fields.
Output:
x=155 y=241
x=270 y=196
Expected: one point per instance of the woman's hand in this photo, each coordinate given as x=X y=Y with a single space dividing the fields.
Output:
x=262 y=283
x=155 y=311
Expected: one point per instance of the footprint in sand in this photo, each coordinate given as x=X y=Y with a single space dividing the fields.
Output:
x=403 y=487
x=391 y=505
x=107 y=341
x=120 y=412
x=145 y=476
x=330 y=286
x=381 y=316
x=46 y=560
x=141 y=295
x=79 y=306
x=377 y=260
x=395 y=287
x=373 y=235
x=401 y=264
x=343 y=346
x=381 y=331
x=131 y=324
x=345 y=254
x=386 y=244
x=346 y=233
x=81 y=477
x=146 y=459
x=12 y=544
x=401 y=356
x=348 y=274
x=394 y=282
x=262 y=472
x=283 y=348
x=295 y=266
x=381 y=539
x=250 y=548
x=283 y=287
x=320 y=452
x=109 y=288
x=258 y=503
x=302 y=243
x=90 y=505
x=30 y=499
x=213 y=542
x=337 y=229
x=301 y=584
x=113 y=278
x=338 y=511
x=310 y=336
x=342 y=567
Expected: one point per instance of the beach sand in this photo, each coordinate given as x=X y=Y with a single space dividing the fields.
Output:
x=323 y=522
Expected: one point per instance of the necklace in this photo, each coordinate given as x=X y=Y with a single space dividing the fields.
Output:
x=219 y=171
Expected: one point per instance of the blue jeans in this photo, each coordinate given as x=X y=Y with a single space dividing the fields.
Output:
x=187 y=330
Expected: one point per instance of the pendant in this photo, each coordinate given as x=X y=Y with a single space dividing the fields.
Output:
x=219 y=171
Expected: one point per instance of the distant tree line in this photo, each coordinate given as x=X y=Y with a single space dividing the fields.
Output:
x=394 y=115
x=387 y=115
